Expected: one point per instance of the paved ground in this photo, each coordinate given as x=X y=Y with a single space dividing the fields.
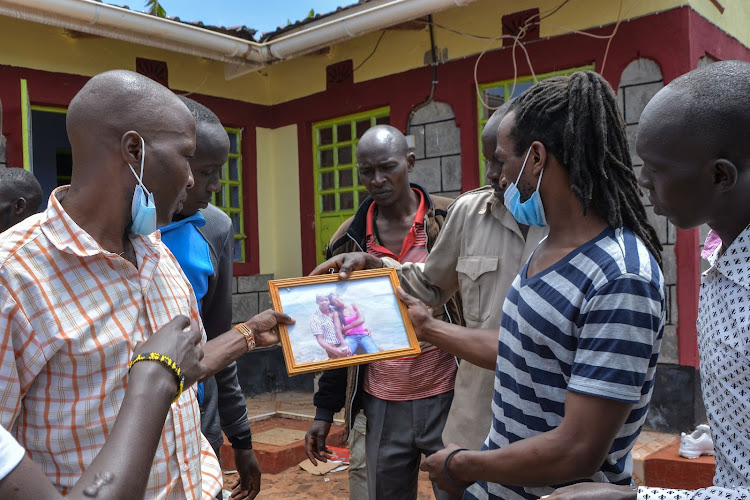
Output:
x=295 y=482
x=298 y=484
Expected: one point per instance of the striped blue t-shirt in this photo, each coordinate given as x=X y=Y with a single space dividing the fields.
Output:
x=591 y=323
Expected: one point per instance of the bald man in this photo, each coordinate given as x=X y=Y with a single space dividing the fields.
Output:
x=85 y=281
x=406 y=401
x=20 y=196
x=479 y=253
x=696 y=169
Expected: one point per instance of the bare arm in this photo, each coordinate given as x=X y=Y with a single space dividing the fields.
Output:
x=328 y=347
x=477 y=346
x=573 y=450
x=339 y=330
x=231 y=345
x=121 y=469
x=359 y=321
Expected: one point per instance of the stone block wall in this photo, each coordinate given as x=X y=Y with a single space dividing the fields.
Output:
x=262 y=370
x=676 y=403
x=437 y=146
x=639 y=82
x=250 y=296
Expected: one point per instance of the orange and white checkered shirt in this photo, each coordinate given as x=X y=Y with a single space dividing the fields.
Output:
x=70 y=316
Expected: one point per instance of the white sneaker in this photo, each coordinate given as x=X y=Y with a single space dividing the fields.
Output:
x=697 y=443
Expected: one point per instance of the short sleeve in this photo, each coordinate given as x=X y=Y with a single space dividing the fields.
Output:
x=621 y=325
x=11 y=453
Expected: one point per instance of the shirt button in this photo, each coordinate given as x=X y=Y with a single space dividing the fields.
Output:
x=184 y=467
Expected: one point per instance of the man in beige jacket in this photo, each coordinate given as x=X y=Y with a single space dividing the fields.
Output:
x=479 y=252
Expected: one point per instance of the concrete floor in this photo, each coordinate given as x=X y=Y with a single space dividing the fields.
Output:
x=296 y=483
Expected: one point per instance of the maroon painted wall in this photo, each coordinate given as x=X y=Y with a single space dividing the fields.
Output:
x=675 y=39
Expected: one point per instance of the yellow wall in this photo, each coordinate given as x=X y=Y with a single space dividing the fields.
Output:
x=278 y=202
x=735 y=20
x=53 y=49
x=306 y=75
x=38 y=46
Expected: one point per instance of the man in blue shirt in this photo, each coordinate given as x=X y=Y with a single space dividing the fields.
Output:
x=202 y=240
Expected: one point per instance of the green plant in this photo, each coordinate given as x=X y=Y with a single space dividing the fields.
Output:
x=155 y=8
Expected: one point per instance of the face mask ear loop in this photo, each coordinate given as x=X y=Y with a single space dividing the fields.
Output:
x=539 y=183
x=143 y=159
x=523 y=166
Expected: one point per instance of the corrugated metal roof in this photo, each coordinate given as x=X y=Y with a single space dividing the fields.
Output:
x=273 y=34
x=249 y=34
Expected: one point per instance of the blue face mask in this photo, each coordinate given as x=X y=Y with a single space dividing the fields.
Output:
x=531 y=211
x=142 y=210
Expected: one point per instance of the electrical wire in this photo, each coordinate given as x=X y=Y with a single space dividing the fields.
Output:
x=433 y=52
x=382 y=34
x=609 y=42
x=517 y=42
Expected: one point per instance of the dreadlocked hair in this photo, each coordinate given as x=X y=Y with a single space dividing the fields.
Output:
x=577 y=120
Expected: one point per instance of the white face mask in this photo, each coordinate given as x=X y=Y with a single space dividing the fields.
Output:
x=142 y=210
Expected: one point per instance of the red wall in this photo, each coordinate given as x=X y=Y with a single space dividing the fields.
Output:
x=675 y=39
x=662 y=37
x=58 y=89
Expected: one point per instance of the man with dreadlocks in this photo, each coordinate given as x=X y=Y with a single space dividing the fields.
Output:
x=583 y=321
x=696 y=168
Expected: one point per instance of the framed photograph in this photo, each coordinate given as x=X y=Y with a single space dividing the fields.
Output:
x=342 y=323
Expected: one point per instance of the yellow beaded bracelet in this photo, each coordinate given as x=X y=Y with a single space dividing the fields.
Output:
x=247 y=332
x=166 y=361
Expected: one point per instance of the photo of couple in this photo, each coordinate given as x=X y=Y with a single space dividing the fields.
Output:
x=340 y=328
x=342 y=322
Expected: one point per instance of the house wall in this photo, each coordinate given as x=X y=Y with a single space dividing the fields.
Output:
x=437 y=147
x=42 y=47
x=733 y=19
x=277 y=142
x=278 y=199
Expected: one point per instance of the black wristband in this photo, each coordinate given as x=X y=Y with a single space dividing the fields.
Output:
x=445 y=468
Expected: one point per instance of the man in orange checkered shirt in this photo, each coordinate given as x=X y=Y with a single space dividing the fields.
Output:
x=84 y=281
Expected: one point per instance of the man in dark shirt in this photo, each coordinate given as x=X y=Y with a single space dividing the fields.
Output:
x=202 y=240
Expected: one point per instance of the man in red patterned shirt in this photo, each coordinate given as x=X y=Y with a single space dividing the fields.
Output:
x=405 y=400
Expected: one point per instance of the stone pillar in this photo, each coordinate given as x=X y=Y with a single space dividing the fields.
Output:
x=437 y=146
x=676 y=404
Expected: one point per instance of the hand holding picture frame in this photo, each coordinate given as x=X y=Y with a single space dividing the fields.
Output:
x=342 y=323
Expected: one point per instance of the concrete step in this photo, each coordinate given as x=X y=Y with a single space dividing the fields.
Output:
x=656 y=462
x=279 y=441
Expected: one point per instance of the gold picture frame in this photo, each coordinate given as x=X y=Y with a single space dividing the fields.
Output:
x=362 y=316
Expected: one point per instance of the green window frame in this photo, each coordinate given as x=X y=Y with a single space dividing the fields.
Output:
x=496 y=93
x=337 y=190
x=229 y=198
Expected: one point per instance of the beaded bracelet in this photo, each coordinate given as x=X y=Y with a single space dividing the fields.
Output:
x=445 y=468
x=247 y=332
x=166 y=361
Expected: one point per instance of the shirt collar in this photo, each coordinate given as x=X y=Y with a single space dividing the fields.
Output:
x=67 y=236
x=734 y=262
x=197 y=220
x=418 y=217
x=496 y=206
